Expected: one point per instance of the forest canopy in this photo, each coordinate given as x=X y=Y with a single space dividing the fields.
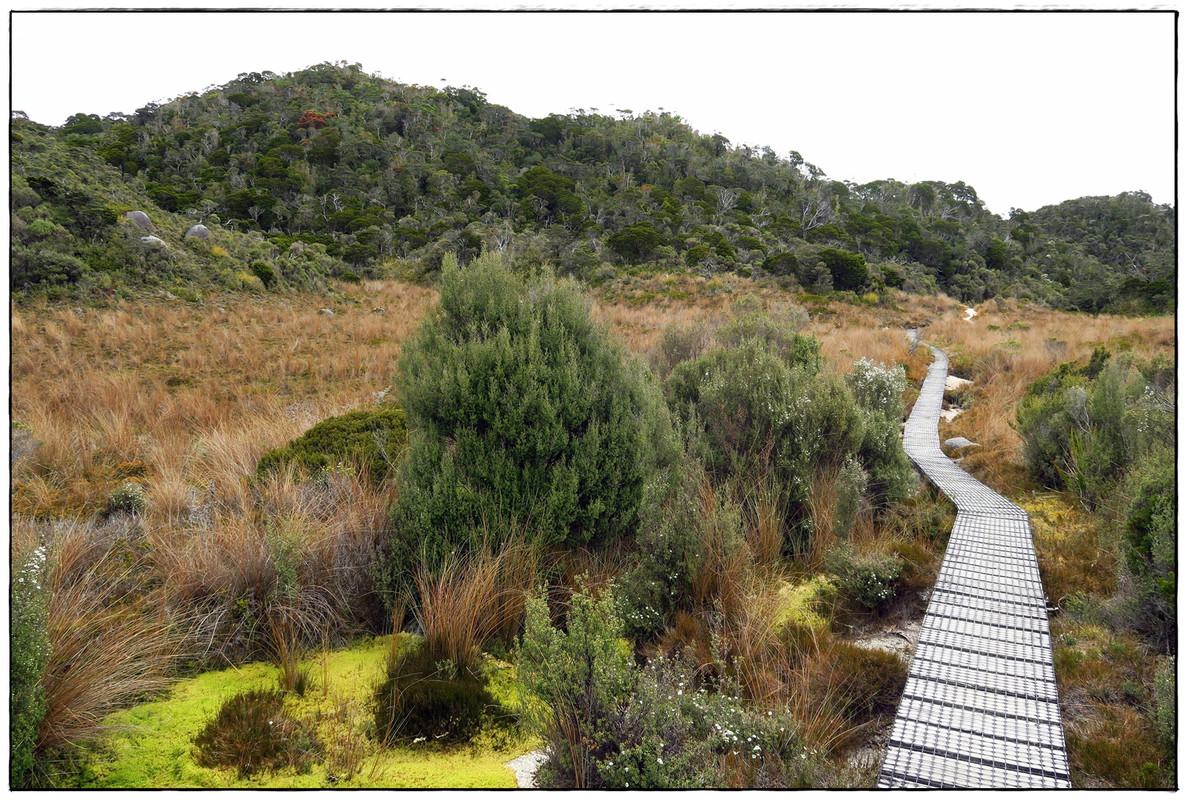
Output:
x=331 y=172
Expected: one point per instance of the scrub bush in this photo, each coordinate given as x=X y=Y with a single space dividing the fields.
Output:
x=758 y=416
x=777 y=331
x=30 y=652
x=878 y=388
x=253 y=731
x=611 y=724
x=1148 y=535
x=523 y=415
x=867 y=578
x=372 y=438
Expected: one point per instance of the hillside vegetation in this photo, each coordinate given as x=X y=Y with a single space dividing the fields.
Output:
x=595 y=419
x=332 y=172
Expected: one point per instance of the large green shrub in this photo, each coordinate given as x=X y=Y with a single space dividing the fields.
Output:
x=1054 y=406
x=29 y=655
x=522 y=416
x=371 y=438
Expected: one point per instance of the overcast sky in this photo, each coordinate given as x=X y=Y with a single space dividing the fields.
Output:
x=1028 y=108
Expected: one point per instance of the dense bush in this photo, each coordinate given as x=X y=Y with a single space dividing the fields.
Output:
x=29 y=655
x=424 y=699
x=522 y=416
x=676 y=539
x=611 y=724
x=759 y=416
x=370 y=438
x=1148 y=534
x=879 y=388
x=253 y=731
x=890 y=475
x=867 y=578
x=777 y=330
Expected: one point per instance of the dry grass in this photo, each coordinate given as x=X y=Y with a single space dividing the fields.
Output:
x=183 y=399
x=111 y=643
x=467 y=602
x=1005 y=349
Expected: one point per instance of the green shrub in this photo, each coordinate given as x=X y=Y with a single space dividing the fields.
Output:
x=422 y=699
x=1148 y=534
x=877 y=387
x=677 y=344
x=523 y=416
x=745 y=399
x=778 y=331
x=264 y=272
x=372 y=438
x=253 y=731
x=1165 y=712
x=674 y=540
x=1052 y=408
x=757 y=415
x=867 y=578
x=129 y=497
x=29 y=655
x=612 y=725
x=852 y=485
x=891 y=476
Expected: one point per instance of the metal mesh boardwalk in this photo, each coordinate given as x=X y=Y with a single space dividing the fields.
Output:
x=980 y=708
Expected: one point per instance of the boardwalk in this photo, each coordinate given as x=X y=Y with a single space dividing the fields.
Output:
x=980 y=708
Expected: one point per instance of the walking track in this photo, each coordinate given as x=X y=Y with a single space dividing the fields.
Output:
x=980 y=708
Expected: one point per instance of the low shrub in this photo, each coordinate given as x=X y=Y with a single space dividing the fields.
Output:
x=29 y=656
x=371 y=438
x=129 y=497
x=1148 y=534
x=254 y=732
x=610 y=724
x=866 y=578
x=878 y=388
x=677 y=344
x=695 y=533
x=264 y=272
x=777 y=331
x=425 y=699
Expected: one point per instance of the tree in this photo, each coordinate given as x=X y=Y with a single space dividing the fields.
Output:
x=636 y=242
x=848 y=269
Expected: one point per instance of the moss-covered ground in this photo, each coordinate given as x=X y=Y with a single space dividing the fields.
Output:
x=153 y=745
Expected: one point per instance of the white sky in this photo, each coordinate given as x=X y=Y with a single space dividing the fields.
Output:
x=1029 y=109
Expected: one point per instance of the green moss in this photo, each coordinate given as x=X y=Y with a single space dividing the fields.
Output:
x=153 y=747
x=800 y=603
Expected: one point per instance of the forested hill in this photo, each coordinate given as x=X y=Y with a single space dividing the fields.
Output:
x=331 y=173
